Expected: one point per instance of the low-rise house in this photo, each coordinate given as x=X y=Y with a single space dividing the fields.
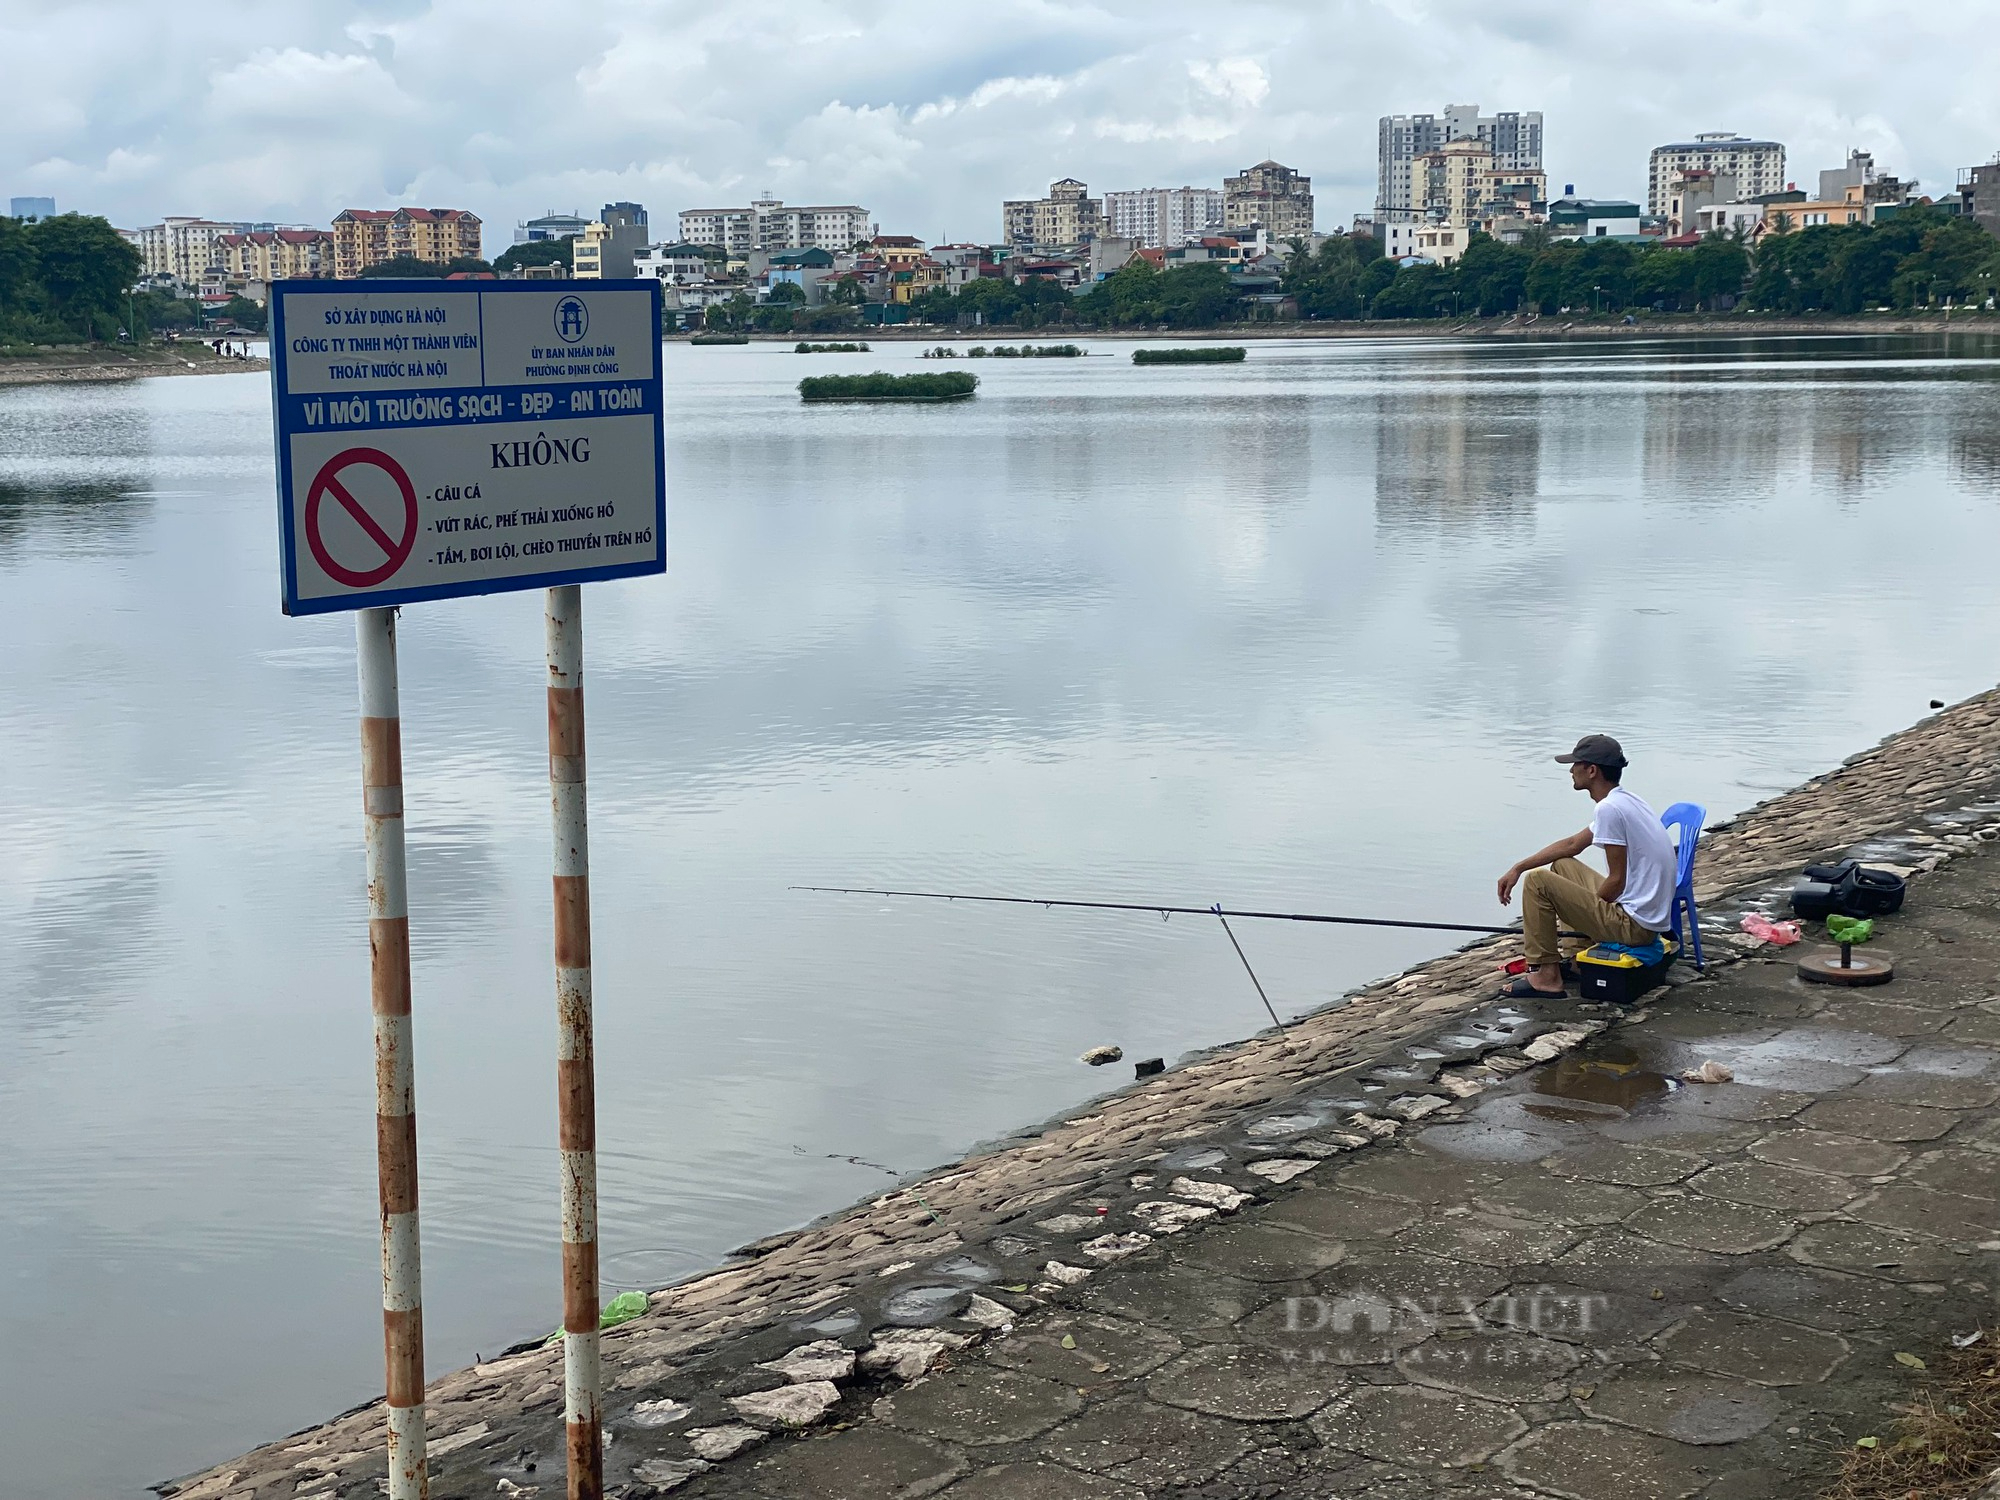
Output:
x=1571 y=217
x=609 y=245
x=680 y=264
x=1220 y=247
x=1067 y=273
x=1863 y=203
x=1978 y=194
x=550 y=226
x=895 y=250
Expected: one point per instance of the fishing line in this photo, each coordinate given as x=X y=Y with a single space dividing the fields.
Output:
x=1163 y=910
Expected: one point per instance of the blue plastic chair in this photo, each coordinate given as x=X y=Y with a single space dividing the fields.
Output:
x=1685 y=820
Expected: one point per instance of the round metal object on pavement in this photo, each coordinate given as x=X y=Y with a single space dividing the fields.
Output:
x=1824 y=967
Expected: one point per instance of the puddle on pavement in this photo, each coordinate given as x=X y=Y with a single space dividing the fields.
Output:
x=1187 y=1159
x=965 y=1268
x=832 y=1324
x=921 y=1304
x=1583 y=1087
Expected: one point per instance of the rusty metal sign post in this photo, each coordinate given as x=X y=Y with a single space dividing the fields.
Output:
x=395 y=1089
x=437 y=439
x=576 y=1064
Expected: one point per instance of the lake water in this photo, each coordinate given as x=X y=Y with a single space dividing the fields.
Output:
x=1299 y=633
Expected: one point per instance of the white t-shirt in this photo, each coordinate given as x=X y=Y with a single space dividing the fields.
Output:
x=1649 y=857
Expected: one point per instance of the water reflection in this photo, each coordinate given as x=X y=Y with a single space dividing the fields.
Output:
x=1452 y=464
x=1607 y=1081
x=454 y=883
x=1975 y=453
x=82 y=942
x=72 y=519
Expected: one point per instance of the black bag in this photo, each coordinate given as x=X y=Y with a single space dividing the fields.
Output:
x=1849 y=888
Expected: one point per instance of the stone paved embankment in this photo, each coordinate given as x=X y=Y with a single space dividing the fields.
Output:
x=1422 y=1243
x=111 y=369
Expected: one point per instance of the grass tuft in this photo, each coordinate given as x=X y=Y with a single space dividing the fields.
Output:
x=1943 y=1444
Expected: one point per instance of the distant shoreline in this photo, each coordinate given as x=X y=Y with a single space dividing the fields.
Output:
x=1430 y=328
x=109 y=365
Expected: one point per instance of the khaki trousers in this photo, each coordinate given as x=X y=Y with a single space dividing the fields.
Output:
x=1564 y=894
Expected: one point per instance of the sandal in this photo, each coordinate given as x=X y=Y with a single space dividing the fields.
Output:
x=1524 y=989
x=1520 y=966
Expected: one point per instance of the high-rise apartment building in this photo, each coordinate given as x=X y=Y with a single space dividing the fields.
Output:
x=1164 y=218
x=364 y=237
x=1513 y=136
x=183 y=247
x=1068 y=216
x=31 y=209
x=1460 y=183
x=768 y=224
x=1272 y=195
x=1757 y=166
x=278 y=254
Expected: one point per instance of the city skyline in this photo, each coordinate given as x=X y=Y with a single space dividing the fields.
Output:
x=291 y=117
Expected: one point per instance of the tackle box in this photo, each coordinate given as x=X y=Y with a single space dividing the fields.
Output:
x=1621 y=978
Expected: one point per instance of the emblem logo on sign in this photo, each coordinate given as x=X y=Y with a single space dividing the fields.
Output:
x=572 y=319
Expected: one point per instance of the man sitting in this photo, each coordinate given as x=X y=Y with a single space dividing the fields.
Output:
x=1631 y=905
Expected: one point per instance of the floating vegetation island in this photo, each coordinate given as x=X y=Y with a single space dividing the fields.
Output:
x=881 y=386
x=1008 y=351
x=1201 y=355
x=831 y=349
x=720 y=338
x=1024 y=351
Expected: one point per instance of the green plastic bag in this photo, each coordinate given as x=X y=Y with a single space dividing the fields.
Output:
x=1849 y=929
x=622 y=1308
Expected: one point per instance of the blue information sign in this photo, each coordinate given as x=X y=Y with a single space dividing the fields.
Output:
x=439 y=438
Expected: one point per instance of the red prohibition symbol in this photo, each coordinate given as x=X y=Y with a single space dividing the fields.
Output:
x=395 y=551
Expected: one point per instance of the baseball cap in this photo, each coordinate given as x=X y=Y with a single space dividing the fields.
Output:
x=1596 y=750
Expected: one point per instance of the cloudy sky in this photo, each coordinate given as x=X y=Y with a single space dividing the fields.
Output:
x=928 y=114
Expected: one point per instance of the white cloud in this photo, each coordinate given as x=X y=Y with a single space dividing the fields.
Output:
x=293 y=86
x=930 y=118
x=1240 y=81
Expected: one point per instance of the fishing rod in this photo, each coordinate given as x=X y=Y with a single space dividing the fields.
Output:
x=1217 y=911
x=1163 y=911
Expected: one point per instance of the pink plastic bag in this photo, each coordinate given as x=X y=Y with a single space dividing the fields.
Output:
x=1784 y=934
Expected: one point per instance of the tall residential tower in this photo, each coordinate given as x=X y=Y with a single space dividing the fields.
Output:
x=1164 y=218
x=1514 y=137
x=1272 y=195
x=1757 y=166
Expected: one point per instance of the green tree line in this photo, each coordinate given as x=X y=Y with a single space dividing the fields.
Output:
x=68 y=280
x=1920 y=258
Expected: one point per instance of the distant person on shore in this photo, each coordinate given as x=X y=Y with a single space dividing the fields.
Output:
x=1632 y=905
